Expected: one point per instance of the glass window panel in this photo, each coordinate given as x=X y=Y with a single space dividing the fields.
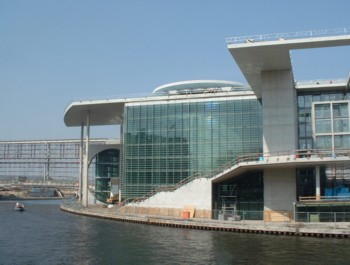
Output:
x=342 y=141
x=344 y=110
x=302 y=130
x=341 y=125
x=302 y=144
x=308 y=101
x=328 y=141
x=301 y=115
x=326 y=111
x=308 y=129
x=324 y=142
x=340 y=110
x=336 y=110
x=316 y=98
x=309 y=143
x=323 y=126
x=301 y=101
x=346 y=142
x=325 y=97
x=338 y=141
x=318 y=111
x=308 y=117
x=327 y=126
x=319 y=126
x=335 y=96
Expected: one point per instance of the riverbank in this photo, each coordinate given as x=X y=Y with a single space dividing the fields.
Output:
x=339 y=230
x=18 y=193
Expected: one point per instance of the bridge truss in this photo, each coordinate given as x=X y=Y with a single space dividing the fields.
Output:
x=42 y=161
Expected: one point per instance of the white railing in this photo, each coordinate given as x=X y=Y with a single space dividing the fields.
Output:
x=288 y=35
x=307 y=83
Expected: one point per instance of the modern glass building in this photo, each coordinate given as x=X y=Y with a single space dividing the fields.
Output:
x=166 y=142
x=272 y=150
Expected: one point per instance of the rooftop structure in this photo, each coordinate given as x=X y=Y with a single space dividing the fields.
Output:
x=200 y=86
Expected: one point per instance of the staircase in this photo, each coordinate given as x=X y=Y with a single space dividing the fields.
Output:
x=189 y=179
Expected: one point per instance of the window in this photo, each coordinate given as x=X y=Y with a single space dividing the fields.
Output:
x=331 y=123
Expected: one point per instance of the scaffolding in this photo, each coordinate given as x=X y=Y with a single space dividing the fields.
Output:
x=42 y=161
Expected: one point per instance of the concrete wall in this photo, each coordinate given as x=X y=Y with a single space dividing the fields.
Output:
x=279 y=111
x=279 y=189
x=196 y=193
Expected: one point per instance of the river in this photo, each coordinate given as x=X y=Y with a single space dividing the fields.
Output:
x=43 y=234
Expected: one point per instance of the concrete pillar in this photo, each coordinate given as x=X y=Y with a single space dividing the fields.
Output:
x=81 y=164
x=318 y=183
x=279 y=194
x=279 y=112
x=121 y=160
x=86 y=163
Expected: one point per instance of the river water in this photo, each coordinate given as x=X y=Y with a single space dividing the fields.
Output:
x=43 y=234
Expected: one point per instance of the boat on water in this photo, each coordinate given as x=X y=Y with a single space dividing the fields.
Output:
x=19 y=207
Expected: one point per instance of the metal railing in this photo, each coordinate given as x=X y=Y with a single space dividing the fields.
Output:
x=288 y=35
x=247 y=158
x=322 y=82
x=237 y=215
x=323 y=198
x=322 y=217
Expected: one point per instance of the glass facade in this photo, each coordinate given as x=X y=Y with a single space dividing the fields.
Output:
x=332 y=125
x=167 y=142
x=328 y=113
x=335 y=183
x=324 y=124
x=106 y=173
x=242 y=195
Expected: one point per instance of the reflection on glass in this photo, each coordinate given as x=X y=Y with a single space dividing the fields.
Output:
x=170 y=142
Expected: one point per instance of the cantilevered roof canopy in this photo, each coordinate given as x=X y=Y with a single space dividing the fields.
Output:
x=255 y=56
x=110 y=111
x=102 y=112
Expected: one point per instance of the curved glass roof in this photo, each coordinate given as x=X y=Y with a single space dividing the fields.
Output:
x=200 y=86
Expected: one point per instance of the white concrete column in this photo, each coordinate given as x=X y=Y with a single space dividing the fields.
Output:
x=279 y=194
x=81 y=162
x=121 y=150
x=279 y=112
x=86 y=163
x=318 y=183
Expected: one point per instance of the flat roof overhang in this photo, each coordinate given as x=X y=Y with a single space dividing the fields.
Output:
x=111 y=111
x=256 y=57
x=101 y=112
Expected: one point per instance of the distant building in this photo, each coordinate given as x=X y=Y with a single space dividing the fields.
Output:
x=275 y=150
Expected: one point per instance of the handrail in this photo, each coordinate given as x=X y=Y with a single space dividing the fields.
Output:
x=323 y=198
x=288 y=35
x=308 y=83
x=253 y=157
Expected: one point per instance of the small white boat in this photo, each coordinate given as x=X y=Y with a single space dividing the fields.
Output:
x=19 y=207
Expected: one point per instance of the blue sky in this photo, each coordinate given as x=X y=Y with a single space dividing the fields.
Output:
x=55 y=52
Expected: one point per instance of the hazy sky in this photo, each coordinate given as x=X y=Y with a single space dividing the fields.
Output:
x=55 y=52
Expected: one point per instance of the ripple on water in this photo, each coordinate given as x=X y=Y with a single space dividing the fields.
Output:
x=43 y=234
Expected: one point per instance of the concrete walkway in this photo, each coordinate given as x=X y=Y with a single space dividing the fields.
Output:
x=341 y=230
